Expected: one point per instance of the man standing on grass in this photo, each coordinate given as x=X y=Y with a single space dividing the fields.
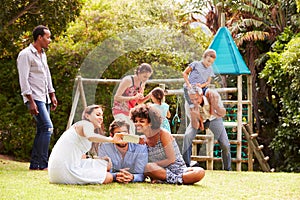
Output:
x=38 y=93
x=201 y=112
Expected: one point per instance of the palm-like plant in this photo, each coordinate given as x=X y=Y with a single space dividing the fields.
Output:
x=254 y=25
x=256 y=28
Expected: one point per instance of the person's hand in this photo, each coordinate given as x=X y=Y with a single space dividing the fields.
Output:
x=124 y=176
x=118 y=138
x=54 y=106
x=149 y=95
x=139 y=96
x=195 y=117
x=200 y=85
x=143 y=139
x=33 y=109
x=201 y=124
x=53 y=101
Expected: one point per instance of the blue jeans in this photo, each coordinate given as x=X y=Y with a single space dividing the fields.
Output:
x=190 y=134
x=44 y=129
x=217 y=128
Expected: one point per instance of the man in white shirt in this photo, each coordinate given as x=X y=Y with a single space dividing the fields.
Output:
x=38 y=93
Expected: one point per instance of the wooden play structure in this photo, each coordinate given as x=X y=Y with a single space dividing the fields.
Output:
x=203 y=139
x=208 y=138
x=228 y=62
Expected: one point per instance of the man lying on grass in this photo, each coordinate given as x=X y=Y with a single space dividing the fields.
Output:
x=128 y=159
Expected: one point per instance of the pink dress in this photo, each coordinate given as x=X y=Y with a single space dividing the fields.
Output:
x=123 y=107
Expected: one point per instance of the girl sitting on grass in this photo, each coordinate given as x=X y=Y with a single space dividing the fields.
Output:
x=165 y=161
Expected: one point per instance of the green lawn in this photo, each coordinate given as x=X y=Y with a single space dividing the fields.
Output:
x=17 y=182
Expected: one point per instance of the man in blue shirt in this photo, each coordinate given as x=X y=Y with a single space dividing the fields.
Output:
x=129 y=159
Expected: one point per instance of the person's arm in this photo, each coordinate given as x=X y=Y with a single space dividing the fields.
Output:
x=167 y=142
x=203 y=85
x=138 y=178
x=109 y=163
x=23 y=65
x=50 y=88
x=201 y=123
x=53 y=100
x=126 y=82
x=185 y=75
x=206 y=84
x=33 y=109
x=168 y=114
x=140 y=161
x=48 y=75
x=195 y=117
x=216 y=106
x=144 y=99
x=100 y=138
x=168 y=111
x=86 y=129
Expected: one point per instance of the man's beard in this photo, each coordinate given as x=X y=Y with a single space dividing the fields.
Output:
x=122 y=145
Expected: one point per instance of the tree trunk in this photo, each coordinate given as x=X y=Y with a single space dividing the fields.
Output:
x=252 y=54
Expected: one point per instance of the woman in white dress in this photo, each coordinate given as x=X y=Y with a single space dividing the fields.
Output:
x=66 y=162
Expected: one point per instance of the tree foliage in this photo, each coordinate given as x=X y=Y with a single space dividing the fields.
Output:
x=109 y=39
x=18 y=18
x=254 y=25
x=284 y=65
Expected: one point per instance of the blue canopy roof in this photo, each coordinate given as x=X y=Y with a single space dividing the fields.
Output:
x=229 y=60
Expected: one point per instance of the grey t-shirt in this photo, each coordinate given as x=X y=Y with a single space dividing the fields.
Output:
x=199 y=73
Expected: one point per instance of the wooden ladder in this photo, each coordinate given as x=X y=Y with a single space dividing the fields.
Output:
x=208 y=141
x=257 y=149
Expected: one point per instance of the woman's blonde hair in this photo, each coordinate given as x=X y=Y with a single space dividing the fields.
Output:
x=89 y=110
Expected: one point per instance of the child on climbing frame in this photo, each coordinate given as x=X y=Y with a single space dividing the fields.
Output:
x=200 y=73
